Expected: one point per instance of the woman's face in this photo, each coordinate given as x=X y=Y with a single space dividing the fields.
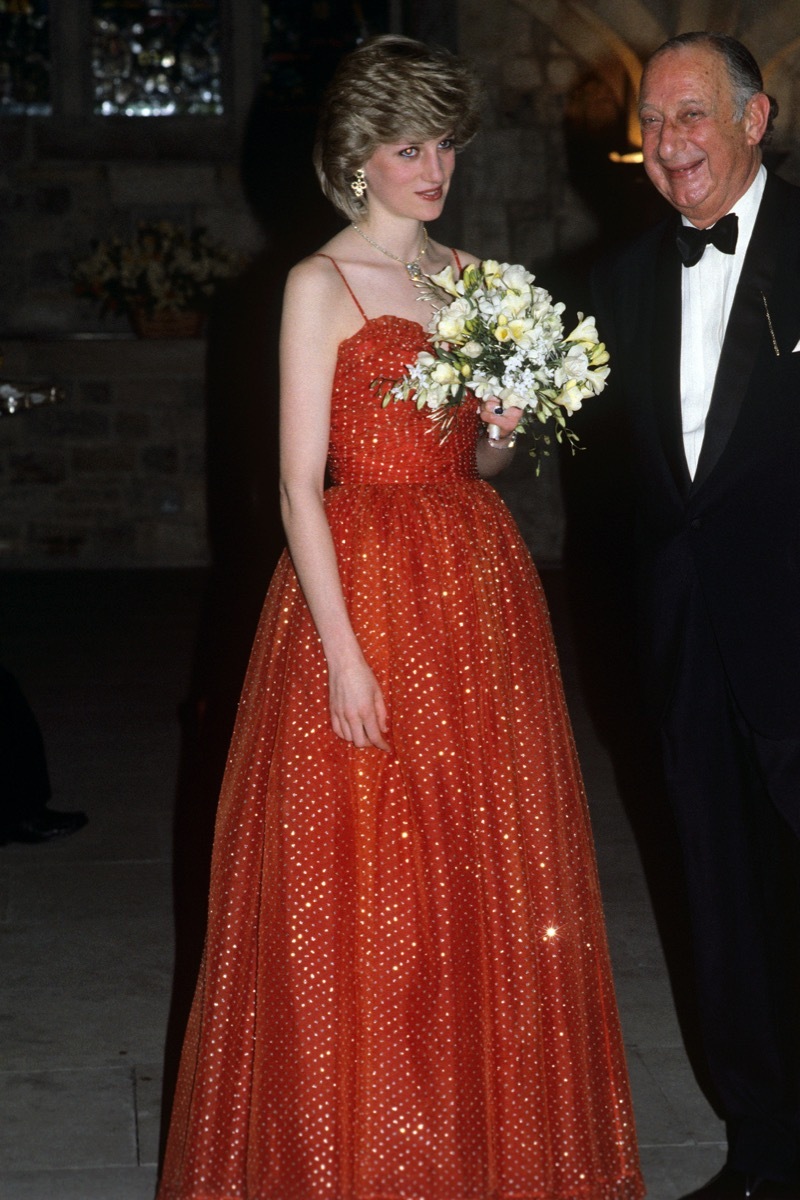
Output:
x=411 y=179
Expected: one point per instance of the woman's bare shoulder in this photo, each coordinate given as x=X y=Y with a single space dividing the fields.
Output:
x=316 y=289
x=316 y=279
x=313 y=272
x=465 y=258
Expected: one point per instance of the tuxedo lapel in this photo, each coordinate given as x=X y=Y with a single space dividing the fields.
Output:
x=665 y=347
x=747 y=325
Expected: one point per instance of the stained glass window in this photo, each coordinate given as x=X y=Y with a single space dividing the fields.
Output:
x=304 y=39
x=157 y=59
x=24 y=57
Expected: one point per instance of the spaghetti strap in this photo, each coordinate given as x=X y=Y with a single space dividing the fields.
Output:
x=458 y=261
x=344 y=281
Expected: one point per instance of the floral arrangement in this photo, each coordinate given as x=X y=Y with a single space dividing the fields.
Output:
x=498 y=334
x=164 y=268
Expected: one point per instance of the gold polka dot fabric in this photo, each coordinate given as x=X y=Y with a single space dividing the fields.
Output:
x=406 y=992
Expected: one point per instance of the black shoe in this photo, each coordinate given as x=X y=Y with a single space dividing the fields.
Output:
x=45 y=826
x=731 y=1184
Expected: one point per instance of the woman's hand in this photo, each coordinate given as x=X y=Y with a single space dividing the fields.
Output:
x=358 y=710
x=491 y=412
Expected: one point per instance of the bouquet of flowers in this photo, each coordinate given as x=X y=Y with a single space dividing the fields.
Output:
x=496 y=333
x=163 y=268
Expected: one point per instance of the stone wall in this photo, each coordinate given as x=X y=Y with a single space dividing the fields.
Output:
x=113 y=475
x=519 y=205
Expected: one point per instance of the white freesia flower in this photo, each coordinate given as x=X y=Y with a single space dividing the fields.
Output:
x=574 y=365
x=490 y=306
x=511 y=398
x=570 y=397
x=597 y=380
x=516 y=303
x=446 y=373
x=584 y=331
x=446 y=280
x=515 y=277
x=486 y=386
x=451 y=324
x=492 y=271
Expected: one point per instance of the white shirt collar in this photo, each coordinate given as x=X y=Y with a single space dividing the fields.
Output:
x=746 y=209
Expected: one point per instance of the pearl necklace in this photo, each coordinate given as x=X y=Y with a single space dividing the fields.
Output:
x=413 y=267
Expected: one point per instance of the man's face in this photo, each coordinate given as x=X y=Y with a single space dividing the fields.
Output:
x=696 y=153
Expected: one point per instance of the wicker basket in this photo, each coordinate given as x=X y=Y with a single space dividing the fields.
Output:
x=170 y=324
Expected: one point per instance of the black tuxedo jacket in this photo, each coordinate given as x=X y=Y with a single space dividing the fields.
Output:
x=726 y=545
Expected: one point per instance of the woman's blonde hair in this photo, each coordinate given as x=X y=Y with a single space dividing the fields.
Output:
x=390 y=89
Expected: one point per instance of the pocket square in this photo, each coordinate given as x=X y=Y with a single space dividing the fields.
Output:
x=797 y=347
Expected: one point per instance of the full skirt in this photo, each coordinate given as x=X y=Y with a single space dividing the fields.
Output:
x=406 y=992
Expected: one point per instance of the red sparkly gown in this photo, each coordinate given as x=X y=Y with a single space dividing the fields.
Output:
x=406 y=992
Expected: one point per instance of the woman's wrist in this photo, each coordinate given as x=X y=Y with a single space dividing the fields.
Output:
x=342 y=653
x=507 y=442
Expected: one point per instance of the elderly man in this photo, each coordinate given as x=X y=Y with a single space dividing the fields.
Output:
x=702 y=315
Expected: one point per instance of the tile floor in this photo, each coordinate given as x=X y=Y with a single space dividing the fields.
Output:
x=86 y=937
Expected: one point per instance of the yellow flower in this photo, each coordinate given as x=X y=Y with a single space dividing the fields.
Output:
x=584 y=331
x=501 y=331
x=446 y=280
x=470 y=276
x=520 y=328
x=492 y=270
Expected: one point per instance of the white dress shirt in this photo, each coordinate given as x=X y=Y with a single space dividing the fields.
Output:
x=707 y=292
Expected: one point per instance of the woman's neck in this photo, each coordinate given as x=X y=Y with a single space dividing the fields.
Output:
x=405 y=239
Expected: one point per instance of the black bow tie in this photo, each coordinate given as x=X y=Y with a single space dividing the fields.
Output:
x=692 y=242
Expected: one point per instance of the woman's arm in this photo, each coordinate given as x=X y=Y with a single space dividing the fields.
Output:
x=313 y=309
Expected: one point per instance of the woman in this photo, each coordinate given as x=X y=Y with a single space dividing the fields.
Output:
x=406 y=991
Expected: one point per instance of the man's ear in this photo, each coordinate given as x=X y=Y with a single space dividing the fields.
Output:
x=756 y=117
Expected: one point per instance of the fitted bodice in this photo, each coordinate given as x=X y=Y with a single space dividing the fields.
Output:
x=398 y=443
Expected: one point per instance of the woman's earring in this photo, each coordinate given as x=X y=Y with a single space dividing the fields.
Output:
x=359 y=183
